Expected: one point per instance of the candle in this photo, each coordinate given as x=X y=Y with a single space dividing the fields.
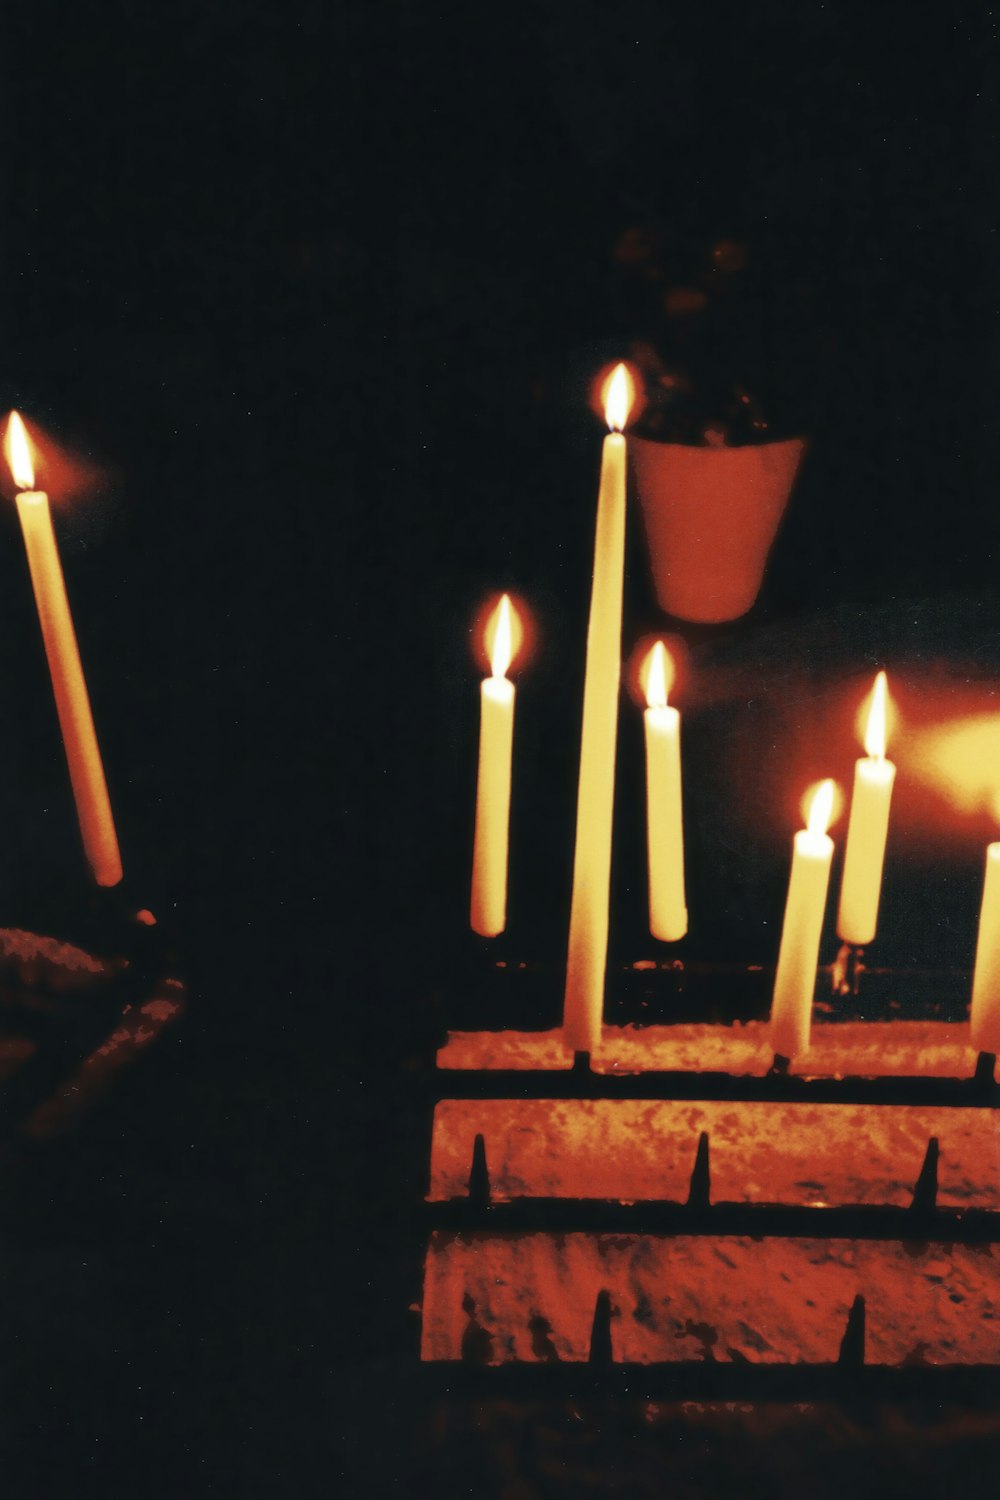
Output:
x=588 y=926
x=76 y=721
x=985 y=1018
x=488 y=910
x=864 y=856
x=664 y=821
x=795 y=980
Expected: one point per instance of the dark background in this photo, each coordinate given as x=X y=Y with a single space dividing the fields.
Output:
x=319 y=290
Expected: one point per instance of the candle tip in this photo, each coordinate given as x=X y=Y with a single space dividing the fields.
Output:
x=619 y=395
x=17 y=451
x=822 y=807
x=659 y=675
x=875 y=728
x=500 y=637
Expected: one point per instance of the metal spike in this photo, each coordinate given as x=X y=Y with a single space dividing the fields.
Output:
x=479 y=1177
x=926 y=1186
x=852 y=1345
x=985 y=1077
x=600 y=1333
x=700 y=1191
x=581 y=1062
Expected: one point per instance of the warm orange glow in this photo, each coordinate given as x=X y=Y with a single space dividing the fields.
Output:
x=658 y=673
x=875 y=728
x=618 y=396
x=961 y=760
x=500 y=637
x=822 y=806
x=17 y=451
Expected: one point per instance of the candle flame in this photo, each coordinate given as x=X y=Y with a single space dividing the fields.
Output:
x=820 y=813
x=875 y=730
x=17 y=451
x=659 y=676
x=500 y=637
x=618 y=396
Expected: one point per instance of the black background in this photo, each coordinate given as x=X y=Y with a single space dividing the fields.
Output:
x=319 y=290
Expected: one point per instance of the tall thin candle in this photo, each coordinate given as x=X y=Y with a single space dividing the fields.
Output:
x=588 y=926
x=83 y=756
x=488 y=909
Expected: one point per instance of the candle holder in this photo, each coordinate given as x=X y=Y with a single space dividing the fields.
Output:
x=75 y=1013
x=847 y=969
x=757 y=1230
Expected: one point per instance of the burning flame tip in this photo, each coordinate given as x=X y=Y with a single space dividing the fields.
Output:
x=619 y=394
x=17 y=451
x=501 y=627
x=658 y=676
x=821 y=807
x=875 y=728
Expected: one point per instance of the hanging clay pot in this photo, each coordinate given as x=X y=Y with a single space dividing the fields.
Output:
x=711 y=516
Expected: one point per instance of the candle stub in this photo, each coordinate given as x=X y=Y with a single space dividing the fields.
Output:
x=588 y=928
x=488 y=906
x=985 y=1016
x=795 y=979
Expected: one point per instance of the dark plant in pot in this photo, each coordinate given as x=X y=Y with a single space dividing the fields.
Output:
x=714 y=469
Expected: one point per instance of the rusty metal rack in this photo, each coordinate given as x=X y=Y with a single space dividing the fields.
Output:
x=923 y=1221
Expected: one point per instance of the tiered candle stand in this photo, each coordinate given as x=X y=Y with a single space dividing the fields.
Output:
x=477 y=1208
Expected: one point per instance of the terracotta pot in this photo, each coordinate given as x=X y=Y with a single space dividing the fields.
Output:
x=711 y=516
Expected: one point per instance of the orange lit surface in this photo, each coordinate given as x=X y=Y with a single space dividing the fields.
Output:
x=139 y=1027
x=907 y=1049
x=531 y=1297
x=644 y=1149
x=72 y=988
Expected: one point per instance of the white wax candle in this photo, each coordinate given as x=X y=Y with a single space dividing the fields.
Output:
x=861 y=884
x=488 y=907
x=795 y=979
x=668 y=918
x=83 y=756
x=588 y=927
x=985 y=1017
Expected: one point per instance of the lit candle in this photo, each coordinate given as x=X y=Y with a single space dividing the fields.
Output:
x=588 y=926
x=795 y=980
x=488 y=911
x=985 y=1018
x=864 y=856
x=86 y=772
x=664 y=821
